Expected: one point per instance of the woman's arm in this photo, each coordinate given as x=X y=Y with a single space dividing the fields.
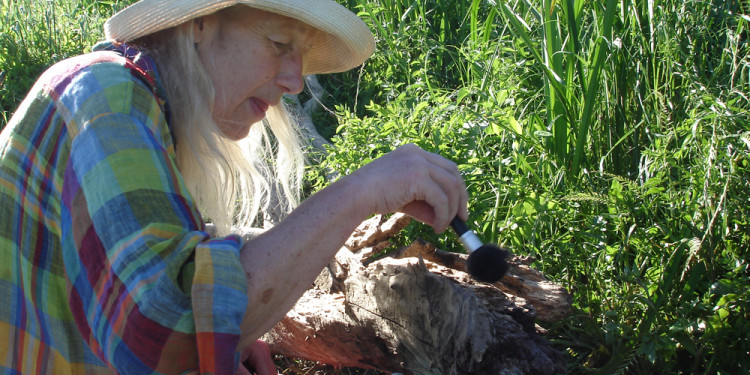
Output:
x=283 y=262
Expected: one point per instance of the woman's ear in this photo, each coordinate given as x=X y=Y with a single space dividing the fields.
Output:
x=204 y=28
x=198 y=34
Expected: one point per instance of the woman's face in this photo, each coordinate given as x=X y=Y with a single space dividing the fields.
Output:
x=253 y=57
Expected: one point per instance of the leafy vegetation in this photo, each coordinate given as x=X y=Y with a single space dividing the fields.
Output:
x=607 y=139
x=610 y=140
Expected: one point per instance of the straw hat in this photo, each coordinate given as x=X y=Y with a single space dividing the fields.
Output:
x=346 y=43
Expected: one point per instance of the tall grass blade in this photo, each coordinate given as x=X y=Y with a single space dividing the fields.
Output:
x=592 y=85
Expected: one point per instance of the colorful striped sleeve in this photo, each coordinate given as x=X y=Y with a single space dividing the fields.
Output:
x=130 y=232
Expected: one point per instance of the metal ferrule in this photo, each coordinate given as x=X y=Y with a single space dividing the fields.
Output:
x=470 y=241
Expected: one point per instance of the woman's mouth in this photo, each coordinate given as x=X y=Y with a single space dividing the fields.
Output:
x=259 y=106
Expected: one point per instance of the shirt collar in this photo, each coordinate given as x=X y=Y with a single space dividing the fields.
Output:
x=145 y=65
x=142 y=61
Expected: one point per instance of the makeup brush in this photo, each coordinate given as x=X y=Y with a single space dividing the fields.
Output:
x=486 y=262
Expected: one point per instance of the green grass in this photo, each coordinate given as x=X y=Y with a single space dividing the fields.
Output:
x=34 y=34
x=610 y=140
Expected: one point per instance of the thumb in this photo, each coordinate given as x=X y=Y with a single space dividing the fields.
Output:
x=258 y=357
x=420 y=211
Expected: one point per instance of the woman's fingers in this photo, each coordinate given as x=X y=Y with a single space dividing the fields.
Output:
x=436 y=198
x=416 y=182
x=258 y=357
x=452 y=184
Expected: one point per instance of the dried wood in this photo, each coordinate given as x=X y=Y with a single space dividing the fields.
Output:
x=416 y=311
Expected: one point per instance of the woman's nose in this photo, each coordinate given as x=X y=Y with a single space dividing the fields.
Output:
x=290 y=74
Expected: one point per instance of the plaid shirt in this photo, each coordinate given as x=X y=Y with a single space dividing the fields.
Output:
x=105 y=265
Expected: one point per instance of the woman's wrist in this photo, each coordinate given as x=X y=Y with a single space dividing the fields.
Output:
x=352 y=199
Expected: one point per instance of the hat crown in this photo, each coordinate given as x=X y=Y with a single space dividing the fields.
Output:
x=346 y=40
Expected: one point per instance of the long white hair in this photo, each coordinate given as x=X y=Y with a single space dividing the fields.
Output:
x=232 y=181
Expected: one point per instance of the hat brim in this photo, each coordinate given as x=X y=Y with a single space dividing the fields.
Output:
x=345 y=42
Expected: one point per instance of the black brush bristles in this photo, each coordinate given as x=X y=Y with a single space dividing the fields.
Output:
x=486 y=262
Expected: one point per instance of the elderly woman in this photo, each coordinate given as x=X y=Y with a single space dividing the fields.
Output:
x=115 y=161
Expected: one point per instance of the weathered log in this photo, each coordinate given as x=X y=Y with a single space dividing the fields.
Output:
x=416 y=311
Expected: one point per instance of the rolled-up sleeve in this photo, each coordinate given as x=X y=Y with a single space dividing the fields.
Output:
x=150 y=290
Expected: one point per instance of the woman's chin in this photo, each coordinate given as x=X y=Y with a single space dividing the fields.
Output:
x=235 y=131
x=239 y=134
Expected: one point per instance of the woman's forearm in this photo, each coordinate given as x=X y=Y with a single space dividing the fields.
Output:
x=284 y=261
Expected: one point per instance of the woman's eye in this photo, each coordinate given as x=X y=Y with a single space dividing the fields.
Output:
x=280 y=45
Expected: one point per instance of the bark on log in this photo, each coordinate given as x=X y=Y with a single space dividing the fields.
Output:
x=416 y=311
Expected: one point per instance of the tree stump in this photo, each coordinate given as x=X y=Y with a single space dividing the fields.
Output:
x=416 y=311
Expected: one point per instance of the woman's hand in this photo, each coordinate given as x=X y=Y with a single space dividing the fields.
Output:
x=258 y=358
x=423 y=185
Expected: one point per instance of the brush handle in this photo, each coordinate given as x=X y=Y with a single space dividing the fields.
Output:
x=466 y=236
